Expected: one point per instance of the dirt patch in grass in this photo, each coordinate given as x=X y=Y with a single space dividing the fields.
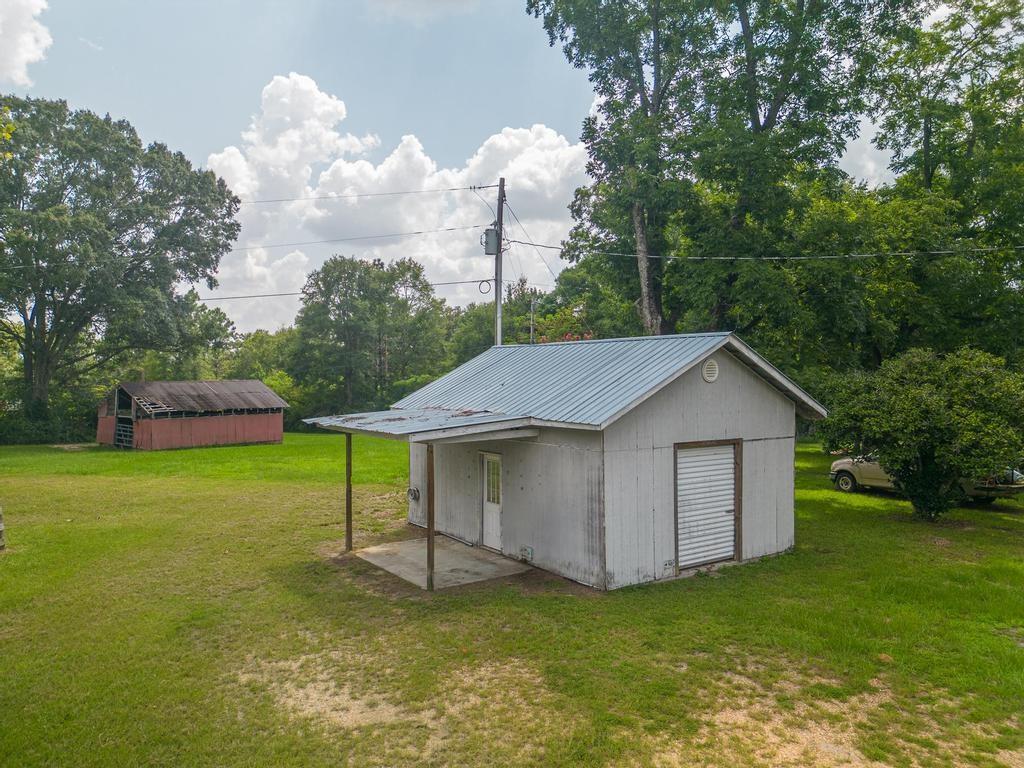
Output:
x=824 y=734
x=805 y=720
x=501 y=711
x=318 y=686
x=1014 y=759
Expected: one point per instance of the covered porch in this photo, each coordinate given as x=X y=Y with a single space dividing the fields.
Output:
x=458 y=563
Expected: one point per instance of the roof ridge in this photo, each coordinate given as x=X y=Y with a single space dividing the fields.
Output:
x=660 y=337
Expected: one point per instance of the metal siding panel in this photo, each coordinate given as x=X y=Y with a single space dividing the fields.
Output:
x=691 y=410
x=768 y=494
x=552 y=489
x=105 y=430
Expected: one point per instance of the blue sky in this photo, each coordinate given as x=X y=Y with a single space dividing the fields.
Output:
x=312 y=98
x=188 y=72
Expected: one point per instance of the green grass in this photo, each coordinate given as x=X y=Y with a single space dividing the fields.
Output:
x=186 y=608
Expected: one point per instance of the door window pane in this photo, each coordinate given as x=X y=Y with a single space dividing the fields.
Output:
x=493 y=480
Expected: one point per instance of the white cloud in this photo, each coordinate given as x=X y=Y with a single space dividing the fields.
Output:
x=295 y=147
x=23 y=39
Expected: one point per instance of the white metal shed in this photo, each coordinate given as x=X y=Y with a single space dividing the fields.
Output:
x=611 y=462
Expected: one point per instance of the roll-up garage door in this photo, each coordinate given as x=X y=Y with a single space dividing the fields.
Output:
x=705 y=505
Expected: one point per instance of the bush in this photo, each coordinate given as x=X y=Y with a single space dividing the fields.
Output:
x=16 y=429
x=931 y=421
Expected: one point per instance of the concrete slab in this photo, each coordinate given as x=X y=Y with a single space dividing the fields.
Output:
x=455 y=563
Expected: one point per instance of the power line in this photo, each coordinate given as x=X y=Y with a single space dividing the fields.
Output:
x=354 y=195
x=358 y=237
x=529 y=238
x=314 y=242
x=946 y=252
x=479 y=281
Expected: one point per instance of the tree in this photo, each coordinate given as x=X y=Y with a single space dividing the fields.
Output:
x=931 y=420
x=6 y=131
x=363 y=329
x=738 y=96
x=205 y=340
x=640 y=58
x=96 y=233
x=258 y=354
x=948 y=91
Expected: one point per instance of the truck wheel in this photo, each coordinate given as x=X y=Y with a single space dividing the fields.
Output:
x=845 y=482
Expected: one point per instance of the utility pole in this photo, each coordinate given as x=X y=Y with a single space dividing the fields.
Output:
x=497 y=262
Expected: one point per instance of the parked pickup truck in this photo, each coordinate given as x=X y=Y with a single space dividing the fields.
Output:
x=850 y=473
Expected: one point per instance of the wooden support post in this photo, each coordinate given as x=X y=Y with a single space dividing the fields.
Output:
x=348 y=491
x=430 y=517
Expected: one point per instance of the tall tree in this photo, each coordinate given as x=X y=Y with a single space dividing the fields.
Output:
x=951 y=90
x=738 y=95
x=640 y=56
x=363 y=329
x=96 y=233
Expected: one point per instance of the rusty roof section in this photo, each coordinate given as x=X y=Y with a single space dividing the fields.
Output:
x=202 y=396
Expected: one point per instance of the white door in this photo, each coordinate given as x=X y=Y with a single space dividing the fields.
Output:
x=705 y=505
x=491 y=489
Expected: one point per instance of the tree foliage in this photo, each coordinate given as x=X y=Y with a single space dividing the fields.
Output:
x=6 y=131
x=363 y=329
x=96 y=232
x=708 y=109
x=931 y=420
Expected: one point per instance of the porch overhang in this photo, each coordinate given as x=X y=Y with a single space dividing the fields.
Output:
x=431 y=425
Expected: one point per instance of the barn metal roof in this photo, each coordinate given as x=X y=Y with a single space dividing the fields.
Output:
x=202 y=396
x=582 y=384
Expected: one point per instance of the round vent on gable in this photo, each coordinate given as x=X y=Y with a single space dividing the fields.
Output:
x=709 y=371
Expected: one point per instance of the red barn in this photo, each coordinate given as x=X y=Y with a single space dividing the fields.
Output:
x=154 y=415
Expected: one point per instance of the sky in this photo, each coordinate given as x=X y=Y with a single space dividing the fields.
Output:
x=314 y=98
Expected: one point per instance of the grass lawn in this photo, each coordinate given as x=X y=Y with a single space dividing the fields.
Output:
x=189 y=608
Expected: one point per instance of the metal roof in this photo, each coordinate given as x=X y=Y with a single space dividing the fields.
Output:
x=579 y=384
x=414 y=422
x=202 y=396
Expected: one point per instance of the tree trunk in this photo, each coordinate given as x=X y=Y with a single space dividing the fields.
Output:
x=926 y=153
x=650 y=309
x=38 y=370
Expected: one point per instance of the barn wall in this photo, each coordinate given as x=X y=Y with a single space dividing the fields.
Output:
x=639 y=471
x=551 y=498
x=162 y=434
x=105 y=430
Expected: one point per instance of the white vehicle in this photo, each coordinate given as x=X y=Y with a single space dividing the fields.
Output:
x=850 y=473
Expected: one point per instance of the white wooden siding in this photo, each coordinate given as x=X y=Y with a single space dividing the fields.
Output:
x=639 y=459
x=705 y=505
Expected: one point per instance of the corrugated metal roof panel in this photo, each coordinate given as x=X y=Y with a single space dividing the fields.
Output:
x=398 y=423
x=585 y=382
x=203 y=396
